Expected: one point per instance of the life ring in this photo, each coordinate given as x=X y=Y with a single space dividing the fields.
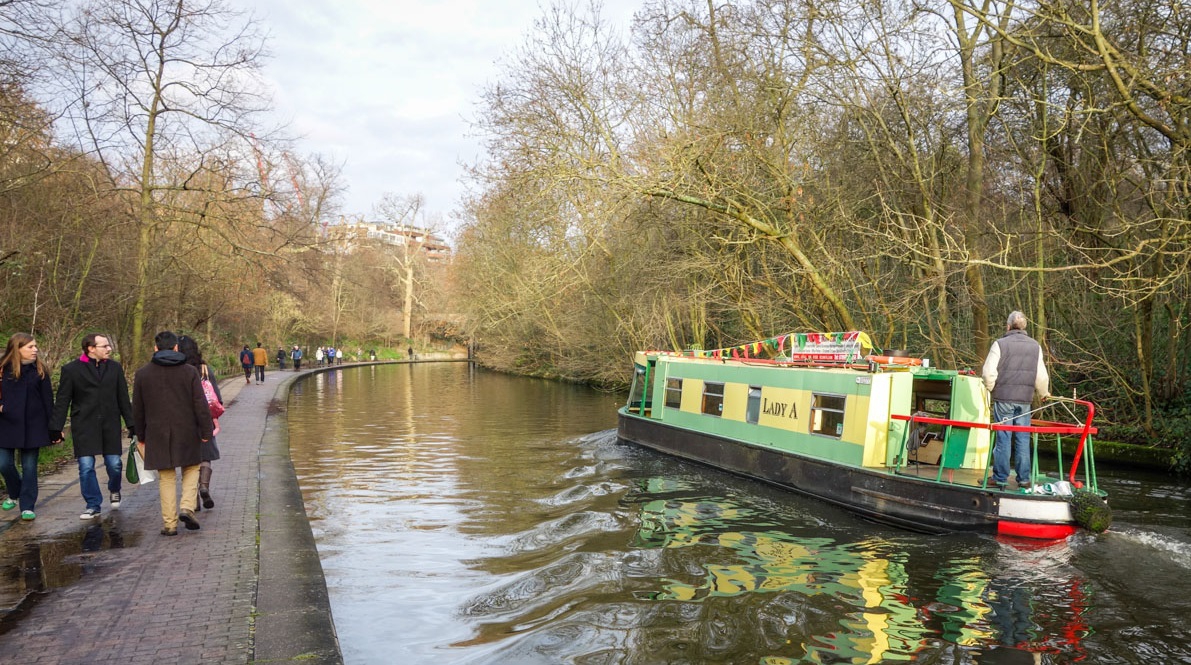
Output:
x=895 y=360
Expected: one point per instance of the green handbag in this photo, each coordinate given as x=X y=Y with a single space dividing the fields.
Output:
x=130 y=473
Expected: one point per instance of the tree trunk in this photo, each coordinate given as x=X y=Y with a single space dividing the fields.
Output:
x=407 y=317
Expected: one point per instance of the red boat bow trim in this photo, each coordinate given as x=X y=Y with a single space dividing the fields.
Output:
x=1034 y=529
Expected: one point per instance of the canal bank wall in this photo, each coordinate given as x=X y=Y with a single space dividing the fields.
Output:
x=247 y=587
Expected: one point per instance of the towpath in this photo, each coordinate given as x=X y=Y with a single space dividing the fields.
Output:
x=245 y=588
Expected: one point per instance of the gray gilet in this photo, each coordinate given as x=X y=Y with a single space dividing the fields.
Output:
x=1017 y=369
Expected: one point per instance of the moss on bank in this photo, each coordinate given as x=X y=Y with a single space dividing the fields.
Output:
x=1120 y=454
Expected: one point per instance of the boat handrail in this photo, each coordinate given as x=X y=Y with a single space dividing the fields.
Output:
x=1045 y=427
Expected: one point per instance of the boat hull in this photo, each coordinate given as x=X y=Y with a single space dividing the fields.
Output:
x=907 y=502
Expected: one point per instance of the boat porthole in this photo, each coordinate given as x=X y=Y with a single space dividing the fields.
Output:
x=975 y=502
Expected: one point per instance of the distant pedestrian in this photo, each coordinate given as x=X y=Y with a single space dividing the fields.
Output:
x=260 y=358
x=296 y=356
x=281 y=356
x=172 y=422
x=93 y=390
x=411 y=353
x=331 y=355
x=372 y=354
x=318 y=356
x=208 y=450
x=26 y=401
x=247 y=360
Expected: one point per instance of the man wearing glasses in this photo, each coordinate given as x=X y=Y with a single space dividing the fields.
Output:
x=95 y=393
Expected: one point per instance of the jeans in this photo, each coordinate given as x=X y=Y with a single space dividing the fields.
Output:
x=260 y=372
x=1011 y=413
x=89 y=483
x=22 y=488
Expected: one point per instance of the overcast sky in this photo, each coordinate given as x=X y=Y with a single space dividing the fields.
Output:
x=386 y=87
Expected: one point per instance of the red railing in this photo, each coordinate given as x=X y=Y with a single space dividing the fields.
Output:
x=1036 y=427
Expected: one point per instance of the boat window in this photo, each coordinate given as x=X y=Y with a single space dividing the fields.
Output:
x=827 y=415
x=753 y=412
x=674 y=393
x=637 y=391
x=713 y=398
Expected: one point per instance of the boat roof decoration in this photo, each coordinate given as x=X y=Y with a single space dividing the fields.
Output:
x=827 y=347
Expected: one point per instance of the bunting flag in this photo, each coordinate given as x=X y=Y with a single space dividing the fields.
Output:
x=827 y=347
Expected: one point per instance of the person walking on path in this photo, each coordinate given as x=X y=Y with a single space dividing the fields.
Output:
x=93 y=391
x=247 y=360
x=318 y=356
x=1014 y=373
x=281 y=357
x=172 y=422
x=260 y=358
x=331 y=353
x=411 y=353
x=26 y=401
x=296 y=356
x=209 y=450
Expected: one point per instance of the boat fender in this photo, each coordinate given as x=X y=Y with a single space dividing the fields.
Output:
x=1090 y=510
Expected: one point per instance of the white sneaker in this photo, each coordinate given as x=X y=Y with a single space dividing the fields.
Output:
x=115 y=499
x=89 y=513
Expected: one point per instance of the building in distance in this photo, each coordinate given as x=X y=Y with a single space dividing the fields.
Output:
x=352 y=234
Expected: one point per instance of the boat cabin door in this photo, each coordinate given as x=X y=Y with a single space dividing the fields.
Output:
x=641 y=392
x=955 y=398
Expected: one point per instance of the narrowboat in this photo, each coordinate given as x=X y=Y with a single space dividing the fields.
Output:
x=883 y=434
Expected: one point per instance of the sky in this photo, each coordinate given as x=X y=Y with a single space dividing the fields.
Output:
x=387 y=87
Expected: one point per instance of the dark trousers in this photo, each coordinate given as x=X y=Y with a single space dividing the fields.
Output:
x=297 y=364
x=247 y=372
x=260 y=372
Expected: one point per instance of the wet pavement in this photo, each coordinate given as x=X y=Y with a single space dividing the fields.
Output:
x=246 y=587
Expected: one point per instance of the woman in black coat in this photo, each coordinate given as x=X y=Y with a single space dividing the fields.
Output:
x=26 y=400
x=209 y=450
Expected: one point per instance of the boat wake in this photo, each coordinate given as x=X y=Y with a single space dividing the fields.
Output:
x=1179 y=551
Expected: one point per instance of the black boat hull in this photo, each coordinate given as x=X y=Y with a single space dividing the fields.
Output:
x=903 y=501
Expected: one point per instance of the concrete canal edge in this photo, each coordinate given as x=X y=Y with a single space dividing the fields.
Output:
x=293 y=619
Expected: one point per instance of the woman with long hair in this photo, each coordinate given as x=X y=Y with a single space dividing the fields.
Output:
x=209 y=450
x=26 y=402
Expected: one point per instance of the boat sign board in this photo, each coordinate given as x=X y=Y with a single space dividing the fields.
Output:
x=829 y=347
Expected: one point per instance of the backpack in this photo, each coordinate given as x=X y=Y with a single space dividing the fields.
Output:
x=246 y=358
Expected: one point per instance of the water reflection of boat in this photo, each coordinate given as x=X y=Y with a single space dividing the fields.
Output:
x=886 y=436
x=880 y=604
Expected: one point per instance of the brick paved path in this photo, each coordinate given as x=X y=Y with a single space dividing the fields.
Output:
x=113 y=590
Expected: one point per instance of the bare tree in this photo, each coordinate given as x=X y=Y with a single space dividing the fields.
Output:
x=161 y=92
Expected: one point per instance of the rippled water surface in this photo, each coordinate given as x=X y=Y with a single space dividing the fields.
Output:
x=469 y=517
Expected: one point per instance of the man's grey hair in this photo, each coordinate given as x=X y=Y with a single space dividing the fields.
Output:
x=1017 y=321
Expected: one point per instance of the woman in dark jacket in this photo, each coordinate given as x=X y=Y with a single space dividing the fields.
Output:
x=209 y=450
x=26 y=401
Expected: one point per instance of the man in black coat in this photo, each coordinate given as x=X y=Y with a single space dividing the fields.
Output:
x=94 y=392
x=172 y=421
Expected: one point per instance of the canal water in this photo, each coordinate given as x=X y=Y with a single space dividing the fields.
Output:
x=463 y=516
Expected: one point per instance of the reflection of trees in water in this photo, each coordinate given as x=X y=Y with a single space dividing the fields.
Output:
x=815 y=598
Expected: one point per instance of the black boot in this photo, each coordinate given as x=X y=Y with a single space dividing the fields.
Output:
x=205 y=487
